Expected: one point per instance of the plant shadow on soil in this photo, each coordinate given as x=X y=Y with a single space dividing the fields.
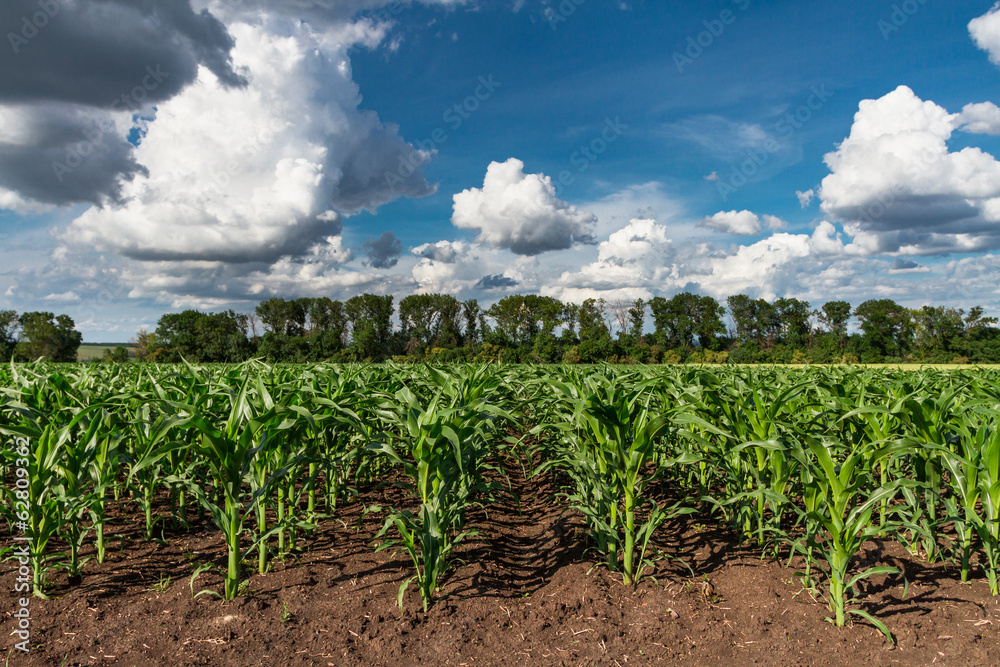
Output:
x=525 y=590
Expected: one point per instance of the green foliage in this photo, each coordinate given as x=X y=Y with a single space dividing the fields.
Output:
x=202 y=337
x=45 y=336
x=9 y=325
x=117 y=355
x=685 y=318
x=370 y=318
x=441 y=442
x=814 y=462
x=607 y=429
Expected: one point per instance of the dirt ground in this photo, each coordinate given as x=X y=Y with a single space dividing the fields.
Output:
x=526 y=594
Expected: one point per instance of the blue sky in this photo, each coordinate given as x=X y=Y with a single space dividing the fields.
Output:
x=621 y=150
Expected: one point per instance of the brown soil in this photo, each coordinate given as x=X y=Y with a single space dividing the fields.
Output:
x=526 y=594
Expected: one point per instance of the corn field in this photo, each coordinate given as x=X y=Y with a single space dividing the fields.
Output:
x=805 y=465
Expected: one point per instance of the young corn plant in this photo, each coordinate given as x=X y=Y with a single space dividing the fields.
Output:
x=44 y=492
x=736 y=426
x=229 y=454
x=439 y=448
x=842 y=500
x=974 y=478
x=151 y=430
x=609 y=451
x=931 y=428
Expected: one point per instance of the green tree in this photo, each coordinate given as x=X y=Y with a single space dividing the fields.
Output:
x=9 y=325
x=473 y=322
x=145 y=345
x=203 y=337
x=519 y=319
x=116 y=355
x=370 y=317
x=741 y=310
x=326 y=316
x=637 y=321
x=939 y=332
x=793 y=316
x=430 y=320
x=685 y=319
x=977 y=326
x=224 y=337
x=327 y=330
x=835 y=315
x=887 y=329
x=595 y=337
x=43 y=335
x=285 y=317
x=755 y=319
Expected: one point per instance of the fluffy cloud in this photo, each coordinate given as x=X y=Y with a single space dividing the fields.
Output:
x=895 y=179
x=985 y=31
x=983 y=118
x=72 y=77
x=446 y=252
x=242 y=174
x=521 y=212
x=383 y=252
x=93 y=53
x=758 y=266
x=60 y=154
x=744 y=223
x=635 y=262
x=460 y=268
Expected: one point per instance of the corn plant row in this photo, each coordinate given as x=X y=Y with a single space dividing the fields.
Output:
x=811 y=464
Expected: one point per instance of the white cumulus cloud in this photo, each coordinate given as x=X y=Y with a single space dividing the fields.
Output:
x=521 y=212
x=895 y=178
x=985 y=31
x=982 y=118
x=743 y=223
x=247 y=174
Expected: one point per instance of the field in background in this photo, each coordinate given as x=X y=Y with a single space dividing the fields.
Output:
x=90 y=352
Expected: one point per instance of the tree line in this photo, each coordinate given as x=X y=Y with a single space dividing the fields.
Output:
x=687 y=328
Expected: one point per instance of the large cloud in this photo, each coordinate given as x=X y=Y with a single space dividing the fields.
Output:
x=54 y=153
x=71 y=77
x=257 y=173
x=521 y=212
x=95 y=51
x=895 y=178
